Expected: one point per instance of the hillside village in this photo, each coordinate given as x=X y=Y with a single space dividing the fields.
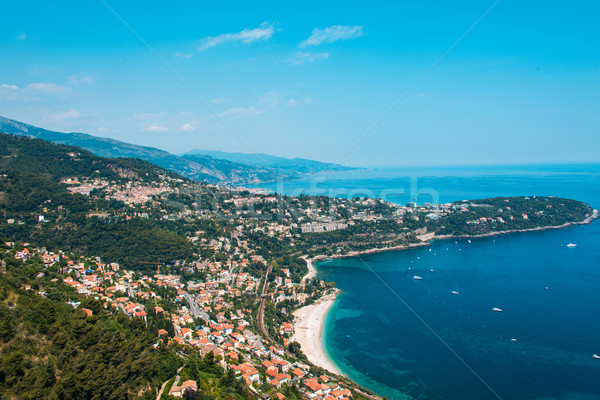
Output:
x=201 y=317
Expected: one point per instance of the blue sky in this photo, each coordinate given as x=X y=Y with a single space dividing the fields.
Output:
x=309 y=79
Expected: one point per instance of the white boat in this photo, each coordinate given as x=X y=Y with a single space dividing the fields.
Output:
x=572 y=245
x=455 y=292
x=469 y=240
x=513 y=340
x=417 y=278
x=596 y=356
x=431 y=270
x=496 y=309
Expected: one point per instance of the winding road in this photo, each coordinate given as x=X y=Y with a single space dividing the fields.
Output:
x=261 y=309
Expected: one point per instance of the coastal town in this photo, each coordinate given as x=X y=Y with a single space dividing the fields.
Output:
x=202 y=317
x=226 y=274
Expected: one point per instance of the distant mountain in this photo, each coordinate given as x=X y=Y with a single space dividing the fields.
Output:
x=197 y=166
x=300 y=165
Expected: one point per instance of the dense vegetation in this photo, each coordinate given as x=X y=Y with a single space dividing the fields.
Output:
x=29 y=187
x=50 y=350
x=510 y=213
x=37 y=156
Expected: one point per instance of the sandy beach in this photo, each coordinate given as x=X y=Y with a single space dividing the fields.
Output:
x=309 y=327
x=312 y=271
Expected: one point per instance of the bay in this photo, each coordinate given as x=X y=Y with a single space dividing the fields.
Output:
x=406 y=338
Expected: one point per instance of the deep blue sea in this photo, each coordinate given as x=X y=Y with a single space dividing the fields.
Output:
x=406 y=338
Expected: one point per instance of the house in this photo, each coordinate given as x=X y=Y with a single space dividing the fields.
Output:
x=250 y=372
x=178 y=391
x=186 y=333
x=280 y=379
x=314 y=385
x=341 y=393
x=298 y=373
x=286 y=328
x=272 y=372
x=282 y=364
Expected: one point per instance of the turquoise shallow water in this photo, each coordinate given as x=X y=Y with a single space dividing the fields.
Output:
x=406 y=338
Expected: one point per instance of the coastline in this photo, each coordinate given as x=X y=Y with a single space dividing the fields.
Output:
x=595 y=215
x=365 y=252
x=426 y=241
x=309 y=321
x=309 y=329
x=312 y=271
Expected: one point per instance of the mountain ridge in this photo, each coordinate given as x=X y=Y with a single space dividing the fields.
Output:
x=199 y=167
x=268 y=160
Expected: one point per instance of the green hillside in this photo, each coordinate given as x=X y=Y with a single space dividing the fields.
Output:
x=50 y=350
x=30 y=187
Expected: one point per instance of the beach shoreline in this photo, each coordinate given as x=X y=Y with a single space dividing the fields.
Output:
x=310 y=261
x=310 y=321
x=309 y=330
x=312 y=271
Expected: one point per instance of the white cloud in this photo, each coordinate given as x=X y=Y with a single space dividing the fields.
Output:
x=47 y=88
x=80 y=78
x=33 y=91
x=264 y=32
x=270 y=99
x=297 y=102
x=187 y=127
x=183 y=55
x=72 y=113
x=332 y=34
x=241 y=112
x=219 y=100
x=157 y=128
x=22 y=36
x=302 y=57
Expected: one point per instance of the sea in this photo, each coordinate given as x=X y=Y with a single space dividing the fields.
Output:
x=414 y=339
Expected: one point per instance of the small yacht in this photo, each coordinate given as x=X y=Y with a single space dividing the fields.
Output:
x=455 y=292
x=417 y=278
x=596 y=356
x=513 y=340
x=469 y=240
x=496 y=309
x=431 y=270
x=572 y=245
